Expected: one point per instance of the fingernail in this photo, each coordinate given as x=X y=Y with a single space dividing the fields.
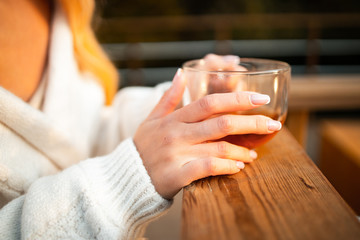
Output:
x=177 y=78
x=210 y=57
x=253 y=154
x=259 y=99
x=232 y=59
x=273 y=125
x=178 y=72
x=240 y=165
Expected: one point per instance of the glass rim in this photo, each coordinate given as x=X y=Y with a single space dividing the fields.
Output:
x=283 y=67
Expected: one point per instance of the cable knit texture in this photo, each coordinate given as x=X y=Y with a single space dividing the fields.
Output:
x=68 y=166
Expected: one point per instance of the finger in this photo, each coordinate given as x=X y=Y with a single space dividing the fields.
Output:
x=223 y=63
x=225 y=150
x=211 y=166
x=216 y=62
x=220 y=103
x=171 y=97
x=224 y=125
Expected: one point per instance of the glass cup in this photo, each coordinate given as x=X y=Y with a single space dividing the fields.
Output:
x=256 y=75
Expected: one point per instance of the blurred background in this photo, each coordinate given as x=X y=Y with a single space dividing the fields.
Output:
x=148 y=40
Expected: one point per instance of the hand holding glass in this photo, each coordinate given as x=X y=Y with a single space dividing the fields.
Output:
x=255 y=75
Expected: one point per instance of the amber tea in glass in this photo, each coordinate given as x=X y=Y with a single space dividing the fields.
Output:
x=256 y=75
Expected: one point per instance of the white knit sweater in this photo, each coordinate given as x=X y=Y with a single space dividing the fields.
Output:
x=70 y=170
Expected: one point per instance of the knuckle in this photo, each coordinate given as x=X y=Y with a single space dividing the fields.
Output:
x=225 y=124
x=171 y=157
x=239 y=98
x=169 y=138
x=166 y=157
x=207 y=104
x=223 y=149
x=243 y=153
x=260 y=124
x=210 y=166
x=230 y=167
x=246 y=153
x=246 y=156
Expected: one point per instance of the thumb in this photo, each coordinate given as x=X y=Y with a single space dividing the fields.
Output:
x=171 y=97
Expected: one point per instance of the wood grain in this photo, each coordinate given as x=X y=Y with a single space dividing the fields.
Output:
x=282 y=195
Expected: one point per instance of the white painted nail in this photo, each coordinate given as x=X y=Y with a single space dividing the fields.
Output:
x=259 y=99
x=253 y=154
x=179 y=72
x=273 y=125
x=232 y=59
x=240 y=165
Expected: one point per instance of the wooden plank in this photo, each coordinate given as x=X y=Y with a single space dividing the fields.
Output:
x=321 y=92
x=282 y=195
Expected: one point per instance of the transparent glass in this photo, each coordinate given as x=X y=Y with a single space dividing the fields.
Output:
x=256 y=75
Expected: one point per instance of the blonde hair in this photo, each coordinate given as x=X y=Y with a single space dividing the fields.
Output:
x=88 y=52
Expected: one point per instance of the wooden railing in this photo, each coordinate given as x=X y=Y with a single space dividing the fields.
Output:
x=282 y=195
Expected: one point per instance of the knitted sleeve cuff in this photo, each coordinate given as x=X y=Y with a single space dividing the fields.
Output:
x=124 y=189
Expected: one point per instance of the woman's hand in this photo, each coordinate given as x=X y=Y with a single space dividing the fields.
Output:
x=178 y=146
